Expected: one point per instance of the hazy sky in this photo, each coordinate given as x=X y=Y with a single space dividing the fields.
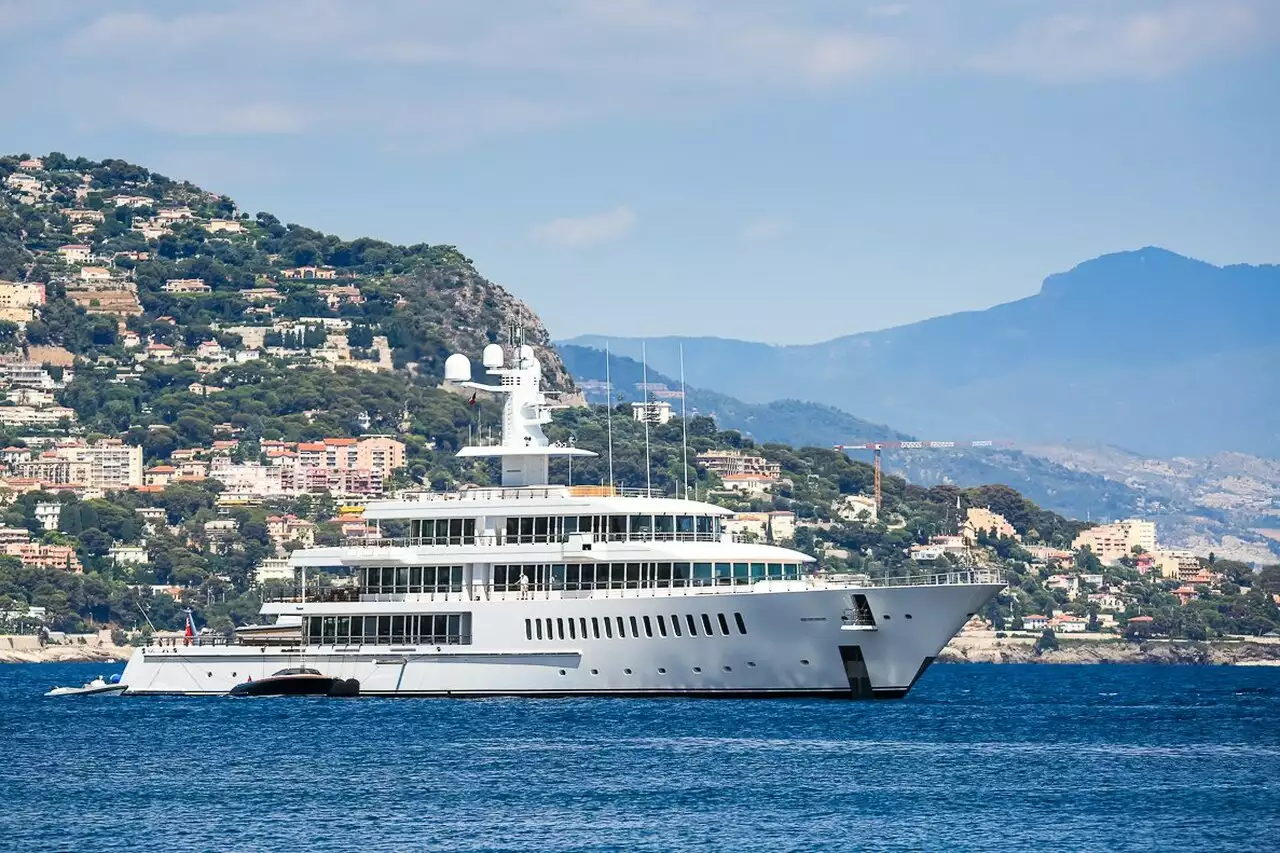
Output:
x=784 y=171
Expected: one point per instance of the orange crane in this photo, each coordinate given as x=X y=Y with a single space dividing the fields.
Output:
x=877 y=446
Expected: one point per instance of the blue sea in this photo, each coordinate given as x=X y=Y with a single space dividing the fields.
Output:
x=978 y=757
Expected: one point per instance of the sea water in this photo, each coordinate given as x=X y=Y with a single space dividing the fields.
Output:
x=978 y=757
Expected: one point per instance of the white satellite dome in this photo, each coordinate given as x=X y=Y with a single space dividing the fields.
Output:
x=457 y=368
x=492 y=356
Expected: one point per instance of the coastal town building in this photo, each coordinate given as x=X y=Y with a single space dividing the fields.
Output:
x=186 y=285
x=981 y=519
x=1110 y=542
x=857 y=508
x=654 y=412
x=38 y=555
x=732 y=462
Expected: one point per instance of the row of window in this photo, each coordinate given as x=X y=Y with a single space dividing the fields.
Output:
x=605 y=626
x=378 y=580
x=615 y=527
x=574 y=576
x=444 y=531
x=411 y=629
x=544 y=528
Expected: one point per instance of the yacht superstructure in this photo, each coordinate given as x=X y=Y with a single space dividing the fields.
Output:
x=536 y=589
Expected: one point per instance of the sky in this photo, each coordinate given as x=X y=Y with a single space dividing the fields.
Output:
x=785 y=171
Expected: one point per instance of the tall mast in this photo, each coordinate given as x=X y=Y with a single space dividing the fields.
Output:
x=644 y=374
x=684 y=426
x=608 y=408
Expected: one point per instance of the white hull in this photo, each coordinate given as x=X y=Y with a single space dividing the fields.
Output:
x=797 y=642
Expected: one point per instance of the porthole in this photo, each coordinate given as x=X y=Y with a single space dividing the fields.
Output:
x=728 y=669
x=887 y=617
x=697 y=669
x=595 y=672
x=907 y=615
x=751 y=663
x=804 y=663
x=211 y=675
x=233 y=675
x=562 y=672
x=627 y=671
x=661 y=671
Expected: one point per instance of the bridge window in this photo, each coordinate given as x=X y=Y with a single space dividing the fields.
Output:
x=648 y=626
x=693 y=627
x=724 y=624
x=622 y=628
x=662 y=625
x=635 y=630
x=406 y=629
x=706 y=623
x=742 y=626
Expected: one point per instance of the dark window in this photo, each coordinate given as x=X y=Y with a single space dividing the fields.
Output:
x=648 y=627
x=608 y=628
x=662 y=625
x=693 y=626
x=706 y=623
x=560 y=628
x=573 y=635
x=742 y=626
x=584 y=627
x=635 y=629
x=622 y=627
x=595 y=627
x=550 y=636
x=724 y=624
x=528 y=630
x=675 y=624
x=539 y=625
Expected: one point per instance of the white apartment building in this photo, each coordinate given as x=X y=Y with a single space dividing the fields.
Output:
x=112 y=463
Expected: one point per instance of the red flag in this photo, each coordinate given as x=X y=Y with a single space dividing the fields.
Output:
x=189 y=634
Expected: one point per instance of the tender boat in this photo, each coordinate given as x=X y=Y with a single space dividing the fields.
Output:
x=298 y=681
x=98 y=685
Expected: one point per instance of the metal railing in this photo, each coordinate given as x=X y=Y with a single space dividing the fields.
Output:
x=959 y=577
x=502 y=539
x=519 y=493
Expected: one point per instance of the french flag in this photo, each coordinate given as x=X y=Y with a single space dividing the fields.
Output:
x=190 y=633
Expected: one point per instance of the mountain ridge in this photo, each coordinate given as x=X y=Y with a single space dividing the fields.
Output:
x=1114 y=347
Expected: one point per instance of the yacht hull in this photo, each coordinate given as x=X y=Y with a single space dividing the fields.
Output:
x=791 y=643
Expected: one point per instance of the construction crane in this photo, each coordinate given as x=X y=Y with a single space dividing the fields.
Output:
x=877 y=446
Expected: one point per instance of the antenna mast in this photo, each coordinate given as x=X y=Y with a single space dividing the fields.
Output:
x=644 y=374
x=608 y=408
x=684 y=427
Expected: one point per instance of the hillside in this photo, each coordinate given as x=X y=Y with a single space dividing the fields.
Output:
x=124 y=250
x=1222 y=515
x=191 y=393
x=1148 y=350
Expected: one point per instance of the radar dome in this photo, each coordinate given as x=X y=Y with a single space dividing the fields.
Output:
x=493 y=356
x=457 y=368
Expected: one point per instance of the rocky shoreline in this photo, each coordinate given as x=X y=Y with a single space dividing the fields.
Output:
x=964 y=649
x=54 y=653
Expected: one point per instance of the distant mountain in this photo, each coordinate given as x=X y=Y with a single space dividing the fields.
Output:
x=784 y=421
x=1224 y=513
x=1147 y=349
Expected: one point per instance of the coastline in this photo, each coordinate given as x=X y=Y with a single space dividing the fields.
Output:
x=966 y=648
x=27 y=649
x=986 y=648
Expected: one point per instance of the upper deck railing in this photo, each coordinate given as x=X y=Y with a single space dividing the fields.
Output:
x=675 y=587
x=520 y=493
x=503 y=538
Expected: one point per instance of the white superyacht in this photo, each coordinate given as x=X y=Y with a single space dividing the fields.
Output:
x=535 y=589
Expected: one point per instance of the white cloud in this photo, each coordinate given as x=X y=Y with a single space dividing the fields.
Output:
x=416 y=75
x=1113 y=42
x=590 y=230
x=766 y=228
